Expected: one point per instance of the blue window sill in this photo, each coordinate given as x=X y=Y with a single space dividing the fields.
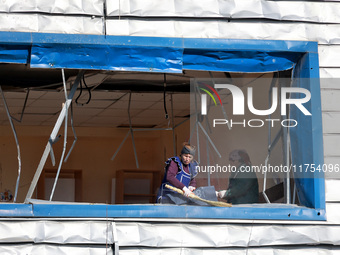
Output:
x=244 y=212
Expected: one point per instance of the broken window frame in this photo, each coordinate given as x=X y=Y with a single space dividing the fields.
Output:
x=173 y=55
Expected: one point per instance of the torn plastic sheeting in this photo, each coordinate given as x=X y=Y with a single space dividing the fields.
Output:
x=157 y=59
x=62 y=232
x=224 y=235
x=238 y=61
x=105 y=57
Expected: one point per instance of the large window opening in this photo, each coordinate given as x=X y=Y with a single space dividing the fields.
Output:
x=122 y=126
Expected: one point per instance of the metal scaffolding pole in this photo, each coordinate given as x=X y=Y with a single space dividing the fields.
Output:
x=16 y=141
x=53 y=136
x=131 y=132
x=65 y=138
x=271 y=144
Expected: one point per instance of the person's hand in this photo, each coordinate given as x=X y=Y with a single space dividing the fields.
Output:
x=192 y=188
x=221 y=193
x=187 y=192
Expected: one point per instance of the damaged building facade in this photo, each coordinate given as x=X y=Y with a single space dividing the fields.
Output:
x=97 y=95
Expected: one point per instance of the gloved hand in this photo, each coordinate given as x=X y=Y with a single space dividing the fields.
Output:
x=192 y=188
x=187 y=191
x=221 y=193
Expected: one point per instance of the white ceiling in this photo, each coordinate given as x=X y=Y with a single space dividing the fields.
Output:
x=109 y=102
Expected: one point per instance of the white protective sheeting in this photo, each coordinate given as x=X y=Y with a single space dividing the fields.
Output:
x=329 y=55
x=224 y=235
x=40 y=249
x=333 y=215
x=332 y=190
x=58 y=232
x=234 y=251
x=85 y=7
x=329 y=73
x=331 y=122
x=331 y=145
x=51 y=24
x=324 y=34
x=330 y=100
x=320 y=12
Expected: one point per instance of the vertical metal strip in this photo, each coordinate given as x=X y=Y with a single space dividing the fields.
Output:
x=52 y=137
x=74 y=133
x=270 y=143
x=173 y=125
x=131 y=132
x=65 y=136
x=17 y=144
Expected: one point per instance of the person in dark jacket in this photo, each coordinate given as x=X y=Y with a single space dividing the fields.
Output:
x=180 y=172
x=243 y=184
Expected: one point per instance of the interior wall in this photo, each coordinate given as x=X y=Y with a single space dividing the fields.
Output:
x=92 y=154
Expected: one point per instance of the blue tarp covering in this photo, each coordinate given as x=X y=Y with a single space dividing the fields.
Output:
x=107 y=57
x=17 y=54
x=238 y=61
x=168 y=55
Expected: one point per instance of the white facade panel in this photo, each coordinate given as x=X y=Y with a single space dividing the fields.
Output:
x=55 y=249
x=331 y=122
x=61 y=232
x=329 y=73
x=331 y=81
x=282 y=10
x=223 y=235
x=87 y=7
x=329 y=55
x=17 y=22
x=51 y=24
x=324 y=34
x=296 y=250
x=332 y=190
x=332 y=211
x=330 y=100
x=331 y=145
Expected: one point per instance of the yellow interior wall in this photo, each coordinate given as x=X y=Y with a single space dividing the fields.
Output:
x=92 y=154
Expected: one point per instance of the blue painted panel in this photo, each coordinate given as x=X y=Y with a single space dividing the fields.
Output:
x=15 y=210
x=306 y=138
x=277 y=212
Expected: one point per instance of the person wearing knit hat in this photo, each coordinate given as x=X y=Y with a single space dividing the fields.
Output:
x=243 y=185
x=180 y=172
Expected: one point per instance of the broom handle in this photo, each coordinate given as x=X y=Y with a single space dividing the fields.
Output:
x=215 y=203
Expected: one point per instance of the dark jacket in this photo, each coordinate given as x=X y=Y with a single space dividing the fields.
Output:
x=243 y=187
